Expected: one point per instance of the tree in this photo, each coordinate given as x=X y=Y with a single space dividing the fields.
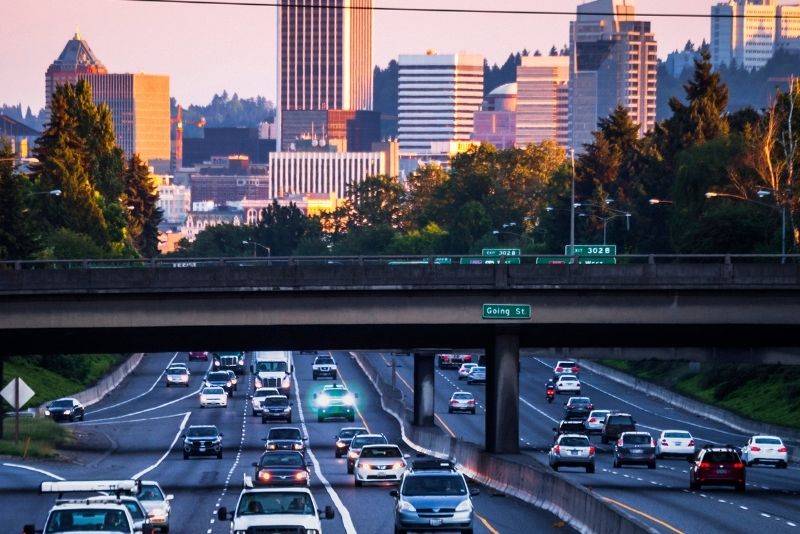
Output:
x=426 y=186
x=17 y=238
x=376 y=201
x=283 y=228
x=221 y=241
x=140 y=199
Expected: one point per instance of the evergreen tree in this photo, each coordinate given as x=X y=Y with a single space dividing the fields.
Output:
x=17 y=239
x=140 y=200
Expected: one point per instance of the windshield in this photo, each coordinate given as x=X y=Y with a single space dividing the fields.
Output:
x=279 y=459
x=434 y=485
x=177 y=370
x=324 y=360
x=619 y=420
x=150 y=493
x=276 y=401
x=337 y=392
x=284 y=433
x=360 y=441
x=101 y=519
x=574 y=442
x=381 y=452
x=202 y=431
x=271 y=367
x=720 y=456
x=213 y=391
x=134 y=509
x=637 y=439
x=683 y=435
x=768 y=441
x=579 y=400
x=62 y=404
x=350 y=432
x=275 y=502
x=218 y=376
x=265 y=392
x=462 y=396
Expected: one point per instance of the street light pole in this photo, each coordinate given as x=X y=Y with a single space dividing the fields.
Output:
x=572 y=208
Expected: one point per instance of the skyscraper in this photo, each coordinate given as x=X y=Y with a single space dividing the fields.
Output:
x=76 y=59
x=543 y=100
x=324 y=55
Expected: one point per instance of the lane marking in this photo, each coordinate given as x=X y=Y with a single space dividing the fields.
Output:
x=486 y=524
x=143 y=472
x=643 y=514
x=40 y=471
x=358 y=411
x=347 y=521
x=151 y=409
x=140 y=420
x=158 y=380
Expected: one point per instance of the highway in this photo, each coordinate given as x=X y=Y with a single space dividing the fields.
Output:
x=659 y=497
x=135 y=432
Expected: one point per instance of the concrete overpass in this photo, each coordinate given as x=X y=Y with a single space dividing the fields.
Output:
x=730 y=311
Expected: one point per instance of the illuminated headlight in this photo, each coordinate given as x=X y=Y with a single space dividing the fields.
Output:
x=229 y=383
x=301 y=475
x=158 y=512
x=352 y=454
x=464 y=506
x=341 y=444
x=67 y=412
x=216 y=363
x=349 y=399
x=239 y=532
x=287 y=409
x=241 y=362
x=285 y=382
x=297 y=446
x=258 y=382
x=324 y=401
x=47 y=412
x=406 y=506
x=271 y=446
x=264 y=475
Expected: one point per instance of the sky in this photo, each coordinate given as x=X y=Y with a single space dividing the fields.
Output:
x=208 y=49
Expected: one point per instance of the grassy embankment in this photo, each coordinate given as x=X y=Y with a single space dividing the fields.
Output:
x=769 y=393
x=65 y=376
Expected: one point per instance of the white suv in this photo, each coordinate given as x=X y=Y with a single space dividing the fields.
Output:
x=324 y=365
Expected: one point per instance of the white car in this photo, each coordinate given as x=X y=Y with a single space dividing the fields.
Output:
x=461 y=401
x=765 y=450
x=568 y=384
x=379 y=463
x=572 y=450
x=463 y=371
x=566 y=367
x=257 y=398
x=213 y=396
x=675 y=442
x=157 y=504
x=594 y=423
x=177 y=375
x=266 y=509
x=324 y=365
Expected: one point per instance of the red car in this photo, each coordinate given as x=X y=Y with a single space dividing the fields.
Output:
x=203 y=356
x=717 y=465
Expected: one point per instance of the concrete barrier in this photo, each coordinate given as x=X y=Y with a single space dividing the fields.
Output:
x=515 y=475
x=713 y=413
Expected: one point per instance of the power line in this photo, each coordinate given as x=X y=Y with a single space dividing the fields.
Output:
x=446 y=10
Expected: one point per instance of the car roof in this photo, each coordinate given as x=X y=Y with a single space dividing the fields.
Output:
x=567 y=435
x=276 y=397
x=764 y=436
x=284 y=428
x=619 y=413
x=333 y=386
x=376 y=445
x=567 y=377
x=636 y=433
x=675 y=430
x=565 y=361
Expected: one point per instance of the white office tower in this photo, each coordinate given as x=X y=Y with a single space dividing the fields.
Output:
x=438 y=95
x=612 y=63
x=543 y=100
x=747 y=32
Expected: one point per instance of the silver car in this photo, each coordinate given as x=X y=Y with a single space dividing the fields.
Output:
x=572 y=450
x=594 y=423
x=156 y=503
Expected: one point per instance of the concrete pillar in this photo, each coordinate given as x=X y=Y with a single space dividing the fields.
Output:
x=502 y=394
x=423 y=388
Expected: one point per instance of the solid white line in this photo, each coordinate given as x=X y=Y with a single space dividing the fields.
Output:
x=143 y=472
x=29 y=468
x=123 y=416
x=347 y=521
x=158 y=380
x=140 y=420
x=538 y=410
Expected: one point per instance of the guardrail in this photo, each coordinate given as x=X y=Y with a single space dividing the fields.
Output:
x=531 y=483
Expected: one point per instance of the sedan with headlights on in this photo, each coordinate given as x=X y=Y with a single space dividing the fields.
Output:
x=213 y=396
x=281 y=468
x=379 y=463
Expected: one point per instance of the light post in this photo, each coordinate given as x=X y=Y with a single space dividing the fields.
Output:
x=761 y=194
x=255 y=244
x=654 y=201
x=606 y=219
x=572 y=207
x=54 y=192
x=520 y=236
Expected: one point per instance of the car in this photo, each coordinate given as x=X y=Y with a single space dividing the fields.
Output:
x=234 y=379
x=463 y=371
x=344 y=437
x=276 y=408
x=258 y=396
x=202 y=440
x=675 y=443
x=578 y=408
x=765 y=450
x=265 y=509
x=461 y=401
x=595 y=421
x=452 y=361
x=572 y=450
x=616 y=423
x=717 y=465
x=433 y=496
x=229 y=361
x=324 y=365
x=379 y=463
x=135 y=508
x=476 y=375
x=198 y=356
x=335 y=401
x=569 y=426
x=157 y=504
x=635 y=448
x=65 y=409
x=281 y=468
x=177 y=375
x=566 y=367
x=220 y=379
x=568 y=384
x=285 y=438
x=213 y=396
x=357 y=443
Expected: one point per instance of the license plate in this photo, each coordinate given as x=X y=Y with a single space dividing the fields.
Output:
x=722 y=471
x=436 y=522
x=677 y=443
x=637 y=451
x=573 y=453
x=202 y=449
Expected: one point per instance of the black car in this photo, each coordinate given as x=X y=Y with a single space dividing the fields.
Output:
x=281 y=468
x=578 y=408
x=276 y=408
x=617 y=423
x=67 y=409
x=220 y=379
x=344 y=437
x=202 y=440
x=635 y=448
x=285 y=438
x=569 y=426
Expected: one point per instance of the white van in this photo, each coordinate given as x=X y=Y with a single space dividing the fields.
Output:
x=273 y=369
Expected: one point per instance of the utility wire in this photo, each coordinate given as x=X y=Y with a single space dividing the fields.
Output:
x=309 y=4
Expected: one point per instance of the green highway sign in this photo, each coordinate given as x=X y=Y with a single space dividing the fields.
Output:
x=591 y=250
x=488 y=260
x=506 y=311
x=501 y=252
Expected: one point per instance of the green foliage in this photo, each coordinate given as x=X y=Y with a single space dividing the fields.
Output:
x=66 y=244
x=140 y=199
x=282 y=229
x=222 y=241
x=44 y=434
x=376 y=201
x=225 y=111
x=17 y=237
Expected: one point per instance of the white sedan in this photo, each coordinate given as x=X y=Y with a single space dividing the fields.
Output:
x=675 y=442
x=765 y=450
x=568 y=384
x=380 y=463
x=463 y=371
x=213 y=396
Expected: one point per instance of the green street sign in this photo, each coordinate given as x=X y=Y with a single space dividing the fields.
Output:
x=488 y=260
x=506 y=311
x=501 y=252
x=552 y=260
x=591 y=250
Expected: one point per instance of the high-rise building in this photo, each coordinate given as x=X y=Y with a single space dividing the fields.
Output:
x=496 y=121
x=543 y=100
x=438 y=95
x=612 y=63
x=324 y=55
x=75 y=60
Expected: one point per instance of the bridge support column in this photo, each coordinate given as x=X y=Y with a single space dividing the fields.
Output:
x=423 y=388
x=502 y=394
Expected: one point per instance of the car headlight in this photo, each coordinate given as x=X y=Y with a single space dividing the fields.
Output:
x=229 y=383
x=301 y=475
x=67 y=412
x=241 y=362
x=272 y=446
x=287 y=409
x=406 y=506
x=285 y=383
x=297 y=446
x=324 y=401
x=216 y=363
x=464 y=506
x=340 y=444
x=352 y=454
x=349 y=399
x=258 y=382
x=47 y=412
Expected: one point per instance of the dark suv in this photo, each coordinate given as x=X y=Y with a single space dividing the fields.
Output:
x=717 y=465
x=578 y=408
x=635 y=448
x=202 y=440
x=617 y=423
x=276 y=408
x=220 y=379
x=569 y=426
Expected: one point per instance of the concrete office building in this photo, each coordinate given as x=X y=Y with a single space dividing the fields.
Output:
x=324 y=56
x=438 y=95
x=349 y=129
x=75 y=60
x=542 y=100
x=496 y=121
x=612 y=62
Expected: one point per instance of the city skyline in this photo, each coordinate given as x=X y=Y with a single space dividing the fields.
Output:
x=239 y=53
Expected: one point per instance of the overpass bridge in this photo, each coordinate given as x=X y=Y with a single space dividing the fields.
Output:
x=727 y=308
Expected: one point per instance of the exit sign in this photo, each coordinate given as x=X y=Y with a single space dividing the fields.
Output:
x=591 y=250
x=506 y=311
x=501 y=252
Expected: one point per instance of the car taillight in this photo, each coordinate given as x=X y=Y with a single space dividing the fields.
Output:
x=591 y=451
x=453 y=402
x=471 y=402
x=619 y=443
x=576 y=369
x=691 y=443
x=652 y=442
x=557 y=449
x=738 y=465
x=559 y=369
x=755 y=449
x=705 y=465
x=665 y=443
x=592 y=420
x=781 y=449
x=263 y=475
x=468 y=358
